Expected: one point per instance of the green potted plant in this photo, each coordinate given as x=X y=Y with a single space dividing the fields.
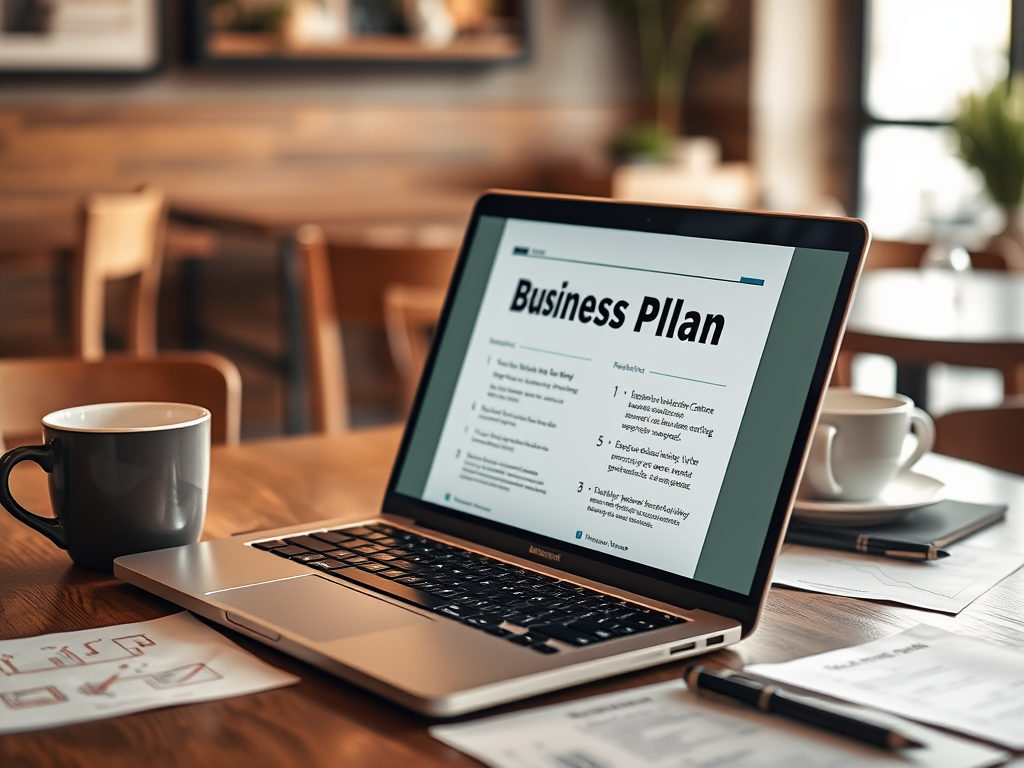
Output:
x=990 y=130
x=667 y=33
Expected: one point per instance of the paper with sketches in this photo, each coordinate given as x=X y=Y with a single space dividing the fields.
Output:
x=666 y=726
x=948 y=585
x=926 y=674
x=72 y=677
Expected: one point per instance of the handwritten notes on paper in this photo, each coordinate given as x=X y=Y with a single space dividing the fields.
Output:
x=947 y=585
x=72 y=677
x=667 y=726
x=925 y=674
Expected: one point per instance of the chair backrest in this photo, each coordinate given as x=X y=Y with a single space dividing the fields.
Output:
x=346 y=284
x=990 y=436
x=410 y=316
x=121 y=236
x=31 y=387
x=893 y=254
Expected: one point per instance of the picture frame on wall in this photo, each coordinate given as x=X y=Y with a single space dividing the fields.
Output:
x=81 y=37
x=303 y=34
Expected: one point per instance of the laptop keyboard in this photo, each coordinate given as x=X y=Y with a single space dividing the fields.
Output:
x=525 y=607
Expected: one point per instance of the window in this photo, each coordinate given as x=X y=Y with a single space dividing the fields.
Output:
x=919 y=58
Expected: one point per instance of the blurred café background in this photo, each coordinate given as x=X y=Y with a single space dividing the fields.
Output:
x=309 y=165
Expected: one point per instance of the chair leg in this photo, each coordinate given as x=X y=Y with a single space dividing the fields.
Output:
x=842 y=374
x=1013 y=380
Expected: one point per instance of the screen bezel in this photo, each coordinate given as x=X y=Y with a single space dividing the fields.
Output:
x=798 y=231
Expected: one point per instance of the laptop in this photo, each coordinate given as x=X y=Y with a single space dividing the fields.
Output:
x=597 y=471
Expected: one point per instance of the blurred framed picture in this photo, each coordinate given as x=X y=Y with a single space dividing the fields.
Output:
x=319 y=33
x=81 y=36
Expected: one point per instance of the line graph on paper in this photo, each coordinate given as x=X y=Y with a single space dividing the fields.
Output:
x=947 y=585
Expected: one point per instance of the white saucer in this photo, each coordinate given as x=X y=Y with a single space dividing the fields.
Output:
x=907 y=491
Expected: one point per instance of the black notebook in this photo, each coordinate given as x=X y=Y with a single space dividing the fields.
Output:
x=937 y=524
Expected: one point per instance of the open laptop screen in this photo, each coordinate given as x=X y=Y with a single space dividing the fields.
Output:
x=635 y=394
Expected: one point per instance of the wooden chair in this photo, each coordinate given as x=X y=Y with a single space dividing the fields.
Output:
x=410 y=316
x=31 y=387
x=990 y=436
x=121 y=236
x=346 y=284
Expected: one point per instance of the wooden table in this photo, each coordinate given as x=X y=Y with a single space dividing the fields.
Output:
x=939 y=316
x=326 y=722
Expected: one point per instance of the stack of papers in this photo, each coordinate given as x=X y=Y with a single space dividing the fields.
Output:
x=667 y=726
x=925 y=674
x=948 y=585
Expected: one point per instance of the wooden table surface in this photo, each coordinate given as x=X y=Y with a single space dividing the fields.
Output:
x=326 y=722
x=933 y=315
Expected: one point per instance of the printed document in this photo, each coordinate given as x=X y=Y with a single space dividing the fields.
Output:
x=948 y=585
x=667 y=726
x=926 y=674
x=601 y=396
x=73 y=677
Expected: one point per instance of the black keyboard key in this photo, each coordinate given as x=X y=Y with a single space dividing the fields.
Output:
x=274 y=544
x=400 y=591
x=308 y=557
x=354 y=559
x=373 y=567
x=368 y=549
x=308 y=542
x=362 y=530
x=288 y=551
x=627 y=628
x=392 y=573
x=457 y=611
x=593 y=628
x=484 y=620
x=543 y=648
x=566 y=634
x=331 y=537
x=446 y=592
x=527 y=639
x=383 y=557
x=328 y=564
x=407 y=579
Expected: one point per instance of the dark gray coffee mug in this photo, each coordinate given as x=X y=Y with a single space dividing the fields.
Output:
x=124 y=478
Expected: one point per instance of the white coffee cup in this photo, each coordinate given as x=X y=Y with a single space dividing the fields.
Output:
x=856 y=448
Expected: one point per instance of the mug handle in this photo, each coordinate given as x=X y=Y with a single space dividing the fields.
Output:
x=924 y=428
x=819 y=463
x=42 y=455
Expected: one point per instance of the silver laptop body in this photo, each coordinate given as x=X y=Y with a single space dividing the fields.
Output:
x=612 y=423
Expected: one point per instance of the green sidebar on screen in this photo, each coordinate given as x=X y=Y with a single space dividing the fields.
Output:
x=751 y=486
x=739 y=508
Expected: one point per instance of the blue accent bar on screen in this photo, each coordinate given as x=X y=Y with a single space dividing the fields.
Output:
x=752 y=280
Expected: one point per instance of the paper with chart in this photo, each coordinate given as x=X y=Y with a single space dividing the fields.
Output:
x=948 y=585
x=926 y=674
x=73 y=677
x=666 y=726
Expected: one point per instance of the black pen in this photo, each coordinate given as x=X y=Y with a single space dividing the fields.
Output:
x=869 y=545
x=770 y=698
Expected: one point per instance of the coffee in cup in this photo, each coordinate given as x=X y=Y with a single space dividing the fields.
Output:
x=857 y=446
x=124 y=478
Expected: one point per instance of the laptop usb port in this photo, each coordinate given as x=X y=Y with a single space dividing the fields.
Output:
x=716 y=640
x=681 y=648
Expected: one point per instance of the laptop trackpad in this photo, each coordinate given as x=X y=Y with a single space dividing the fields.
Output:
x=317 y=608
